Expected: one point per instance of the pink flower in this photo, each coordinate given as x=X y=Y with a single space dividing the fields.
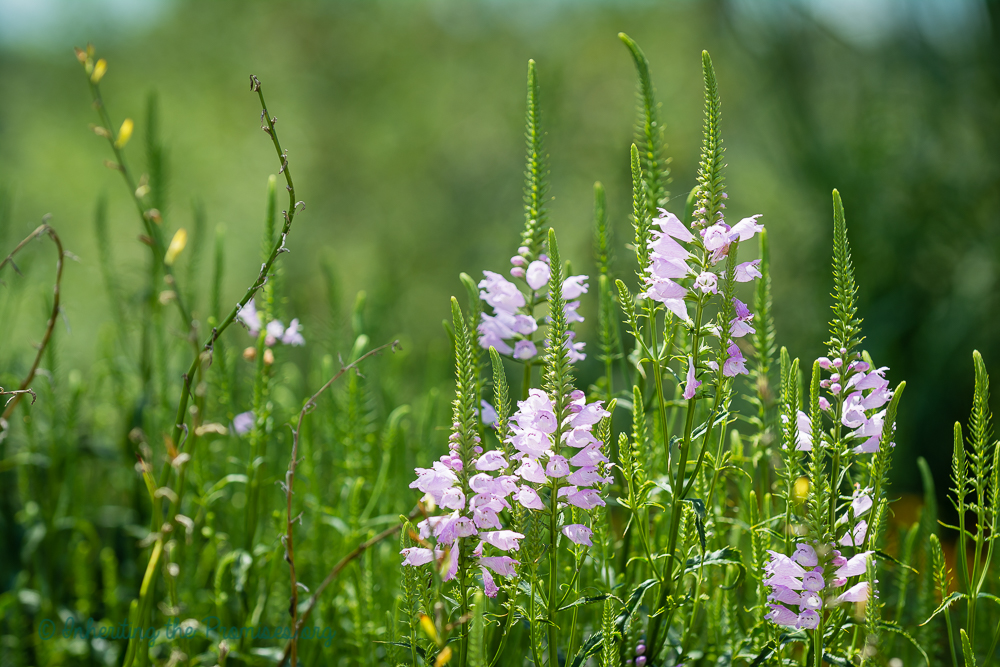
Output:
x=854 y=566
x=505 y=540
x=500 y=293
x=243 y=422
x=489 y=417
x=489 y=586
x=855 y=537
x=531 y=471
x=734 y=365
x=856 y=593
x=745 y=229
x=707 y=282
x=537 y=274
x=524 y=349
x=586 y=499
x=529 y=498
x=781 y=615
x=807 y=620
x=573 y=287
x=417 y=556
x=502 y=565
x=691 y=383
x=747 y=271
x=805 y=555
x=578 y=534
x=491 y=460
x=557 y=466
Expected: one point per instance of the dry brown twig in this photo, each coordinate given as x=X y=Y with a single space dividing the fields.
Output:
x=41 y=230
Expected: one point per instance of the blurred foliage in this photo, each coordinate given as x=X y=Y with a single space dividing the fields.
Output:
x=404 y=122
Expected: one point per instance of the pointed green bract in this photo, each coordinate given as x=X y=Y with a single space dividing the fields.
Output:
x=558 y=375
x=465 y=408
x=845 y=328
x=603 y=252
x=980 y=422
x=649 y=133
x=535 y=186
x=711 y=182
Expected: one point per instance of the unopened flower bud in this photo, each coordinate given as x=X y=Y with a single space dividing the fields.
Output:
x=250 y=353
x=100 y=68
x=124 y=133
x=176 y=246
x=268 y=357
x=835 y=388
x=517 y=272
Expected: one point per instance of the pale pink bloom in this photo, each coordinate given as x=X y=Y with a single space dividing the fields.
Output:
x=854 y=566
x=452 y=499
x=557 y=466
x=856 y=593
x=489 y=417
x=417 y=556
x=813 y=580
x=579 y=437
x=691 y=383
x=489 y=586
x=747 y=271
x=785 y=594
x=292 y=335
x=505 y=540
x=573 y=287
x=529 y=498
x=735 y=364
x=585 y=476
x=589 y=456
x=707 y=282
x=243 y=422
x=452 y=563
x=500 y=293
x=672 y=226
x=249 y=317
x=524 y=349
x=491 y=460
x=531 y=471
x=811 y=601
x=537 y=274
x=855 y=537
x=781 y=615
x=578 y=534
x=663 y=267
x=502 y=565
x=805 y=555
x=807 y=620
x=586 y=499
x=745 y=229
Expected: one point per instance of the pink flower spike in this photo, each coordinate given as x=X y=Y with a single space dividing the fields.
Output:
x=747 y=271
x=856 y=593
x=537 y=274
x=578 y=534
x=691 y=384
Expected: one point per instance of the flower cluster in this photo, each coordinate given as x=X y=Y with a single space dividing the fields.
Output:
x=276 y=331
x=867 y=392
x=799 y=582
x=532 y=430
x=512 y=317
x=668 y=263
x=442 y=483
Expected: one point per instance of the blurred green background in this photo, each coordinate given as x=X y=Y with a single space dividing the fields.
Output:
x=404 y=124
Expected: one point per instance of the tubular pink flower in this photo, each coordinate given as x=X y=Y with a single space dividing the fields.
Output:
x=505 y=540
x=691 y=384
x=585 y=499
x=735 y=364
x=557 y=466
x=807 y=620
x=855 y=537
x=707 y=282
x=578 y=534
x=417 y=556
x=781 y=615
x=537 y=274
x=805 y=555
x=854 y=566
x=531 y=471
x=529 y=498
x=524 y=349
x=573 y=287
x=747 y=271
x=857 y=593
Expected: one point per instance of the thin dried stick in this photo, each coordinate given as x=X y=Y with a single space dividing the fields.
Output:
x=42 y=229
x=293 y=647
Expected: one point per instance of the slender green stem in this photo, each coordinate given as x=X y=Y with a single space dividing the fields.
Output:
x=553 y=574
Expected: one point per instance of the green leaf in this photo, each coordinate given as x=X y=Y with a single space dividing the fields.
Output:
x=771 y=648
x=586 y=600
x=967 y=652
x=892 y=627
x=634 y=600
x=947 y=602
x=588 y=649
x=700 y=513
x=403 y=644
x=723 y=557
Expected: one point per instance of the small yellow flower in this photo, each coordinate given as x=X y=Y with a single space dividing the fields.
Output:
x=125 y=133
x=444 y=657
x=99 y=69
x=801 y=488
x=427 y=625
x=176 y=246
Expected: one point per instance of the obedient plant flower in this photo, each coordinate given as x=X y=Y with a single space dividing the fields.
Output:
x=802 y=581
x=866 y=392
x=668 y=263
x=513 y=318
x=276 y=331
x=537 y=464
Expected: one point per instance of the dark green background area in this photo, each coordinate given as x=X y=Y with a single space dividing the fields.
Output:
x=404 y=125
